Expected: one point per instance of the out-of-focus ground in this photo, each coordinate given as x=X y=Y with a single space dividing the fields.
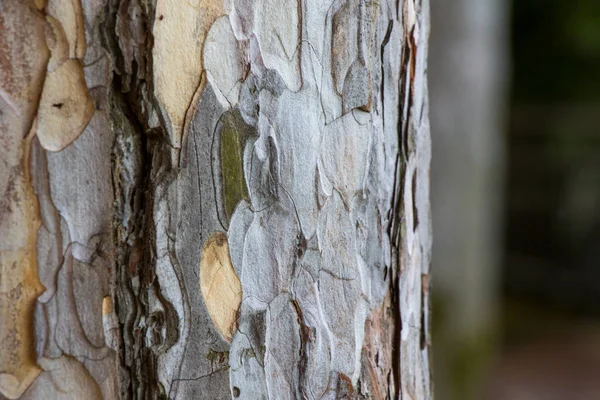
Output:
x=550 y=357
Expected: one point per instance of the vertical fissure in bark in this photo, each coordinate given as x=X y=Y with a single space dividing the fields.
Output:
x=305 y=338
x=425 y=302
x=139 y=170
x=396 y=334
x=386 y=39
x=132 y=182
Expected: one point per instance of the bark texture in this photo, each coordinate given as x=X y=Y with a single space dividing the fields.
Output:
x=214 y=199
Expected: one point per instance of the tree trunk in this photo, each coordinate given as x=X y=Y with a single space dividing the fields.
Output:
x=468 y=74
x=209 y=199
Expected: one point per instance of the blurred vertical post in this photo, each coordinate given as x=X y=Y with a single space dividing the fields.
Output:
x=468 y=77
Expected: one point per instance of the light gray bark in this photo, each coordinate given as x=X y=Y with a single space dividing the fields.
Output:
x=215 y=199
x=468 y=73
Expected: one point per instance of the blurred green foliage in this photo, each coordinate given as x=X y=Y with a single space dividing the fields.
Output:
x=553 y=204
x=556 y=50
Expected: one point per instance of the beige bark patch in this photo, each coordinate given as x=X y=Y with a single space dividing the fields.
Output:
x=70 y=15
x=66 y=107
x=70 y=379
x=19 y=286
x=179 y=30
x=220 y=285
x=23 y=59
x=110 y=323
x=17 y=358
x=57 y=42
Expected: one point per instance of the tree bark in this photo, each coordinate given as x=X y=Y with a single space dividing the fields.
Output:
x=214 y=199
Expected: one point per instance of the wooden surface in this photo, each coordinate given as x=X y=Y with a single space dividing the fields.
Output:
x=299 y=130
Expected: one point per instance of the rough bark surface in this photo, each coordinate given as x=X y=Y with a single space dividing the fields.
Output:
x=214 y=199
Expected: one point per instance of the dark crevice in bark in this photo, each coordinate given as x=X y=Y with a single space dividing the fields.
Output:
x=424 y=310
x=406 y=98
x=138 y=168
x=384 y=43
x=396 y=232
x=135 y=248
x=305 y=338
x=130 y=183
x=398 y=223
x=396 y=335
x=415 y=210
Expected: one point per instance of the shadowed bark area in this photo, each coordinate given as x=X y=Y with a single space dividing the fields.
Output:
x=214 y=199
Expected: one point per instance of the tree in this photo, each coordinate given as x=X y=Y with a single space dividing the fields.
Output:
x=209 y=199
x=467 y=75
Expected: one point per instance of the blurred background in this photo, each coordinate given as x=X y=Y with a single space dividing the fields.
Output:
x=515 y=115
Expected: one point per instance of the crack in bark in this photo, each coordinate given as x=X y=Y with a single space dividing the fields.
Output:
x=305 y=337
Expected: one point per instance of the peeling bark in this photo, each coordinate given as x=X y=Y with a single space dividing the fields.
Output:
x=214 y=199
